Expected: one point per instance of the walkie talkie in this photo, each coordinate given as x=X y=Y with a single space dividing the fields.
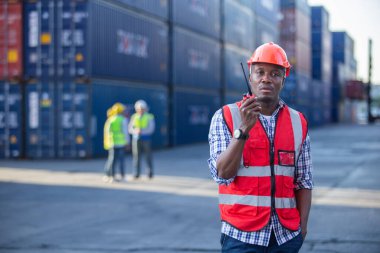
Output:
x=246 y=80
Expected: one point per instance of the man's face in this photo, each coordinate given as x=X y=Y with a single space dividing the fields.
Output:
x=140 y=110
x=267 y=81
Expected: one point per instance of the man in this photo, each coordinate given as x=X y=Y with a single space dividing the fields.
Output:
x=260 y=157
x=116 y=138
x=141 y=127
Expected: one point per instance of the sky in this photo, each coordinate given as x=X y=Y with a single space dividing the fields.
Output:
x=360 y=19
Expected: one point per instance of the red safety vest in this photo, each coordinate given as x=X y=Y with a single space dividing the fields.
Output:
x=265 y=178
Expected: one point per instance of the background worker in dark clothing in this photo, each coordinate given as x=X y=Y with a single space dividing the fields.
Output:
x=260 y=157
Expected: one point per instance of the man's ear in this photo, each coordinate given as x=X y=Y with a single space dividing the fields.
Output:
x=283 y=82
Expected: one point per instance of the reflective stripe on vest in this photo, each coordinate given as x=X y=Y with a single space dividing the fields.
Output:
x=251 y=200
x=251 y=187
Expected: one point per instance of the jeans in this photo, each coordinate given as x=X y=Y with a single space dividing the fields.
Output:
x=138 y=147
x=115 y=155
x=231 y=245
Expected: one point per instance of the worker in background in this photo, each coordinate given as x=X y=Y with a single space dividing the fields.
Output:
x=116 y=139
x=260 y=158
x=141 y=127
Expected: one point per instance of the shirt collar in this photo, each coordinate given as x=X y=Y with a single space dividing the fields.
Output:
x=280 y=105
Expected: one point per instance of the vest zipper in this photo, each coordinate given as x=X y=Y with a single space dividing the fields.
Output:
x=272 y=175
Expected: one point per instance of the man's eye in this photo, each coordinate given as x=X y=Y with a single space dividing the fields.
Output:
x=276 y=74
x=260 y=72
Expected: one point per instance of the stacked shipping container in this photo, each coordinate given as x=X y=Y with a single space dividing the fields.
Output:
x=195 y=73
x=10 y=75
x=295 y=37
x=70 y=46
x=343 y=69
x=81 y=56
x=321 y=65
x=238 y=39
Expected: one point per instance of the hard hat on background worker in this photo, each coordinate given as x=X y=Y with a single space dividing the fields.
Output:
x=141 y=104
x=118 y=108
x=270 y=53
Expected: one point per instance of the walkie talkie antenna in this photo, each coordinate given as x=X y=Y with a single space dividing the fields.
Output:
x=246 y=80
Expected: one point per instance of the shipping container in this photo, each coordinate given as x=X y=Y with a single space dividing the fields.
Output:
x=355 y=89
x=73 y=120
x=301 y=5
x=10 y=120
x=39 y=39
x=192 y=117
x=238 y=25
x=158 y=8
x=72 y=43
x=299 y=55
x=233 y=97
x=326 y=94
x=304 y=89
x=295 y=38
x=126 y=45
x=107 y=92
x=10 y=40
x=40 y=120
x=316 y=105
x=201 y=16
x=233 y=74
x=289 y=90
x=295 y=25
x=267 y=10
x=96 y=39
x=196 y=60
x=321 y=45
x=265 y=32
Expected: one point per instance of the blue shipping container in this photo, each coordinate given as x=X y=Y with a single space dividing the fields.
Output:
x=289 y=91
x=202 y=16
x=265 y=32
x=96 y=39
x=10 y=120
x=40 y=120
x=73 y=120
x=196 y=60
x=238 y=25
x=304 y=91
x=126 y=45
x=157 y=8
x=232 y=97
x=192 y=116
x=301 y=5
x=39 y=39
x=105 y=93
x=233 y=74
x=266 y=9
x=72 y=43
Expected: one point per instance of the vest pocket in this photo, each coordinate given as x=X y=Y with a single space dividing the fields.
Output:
x=256 y=153
x=246 y=183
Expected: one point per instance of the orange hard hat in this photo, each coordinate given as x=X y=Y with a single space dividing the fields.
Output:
x=270 y=53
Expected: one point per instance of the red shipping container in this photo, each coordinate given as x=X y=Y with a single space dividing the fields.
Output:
x=355 y=89
x=10 y=40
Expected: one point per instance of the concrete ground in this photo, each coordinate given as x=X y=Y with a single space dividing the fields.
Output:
x=65 y=207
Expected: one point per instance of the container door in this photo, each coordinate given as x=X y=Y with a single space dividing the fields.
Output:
x=40 y=117
x=10 y=40
x=39 y=39
x=10 y=120
x=73 y=120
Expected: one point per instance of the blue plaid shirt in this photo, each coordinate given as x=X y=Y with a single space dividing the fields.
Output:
x=219 y=138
